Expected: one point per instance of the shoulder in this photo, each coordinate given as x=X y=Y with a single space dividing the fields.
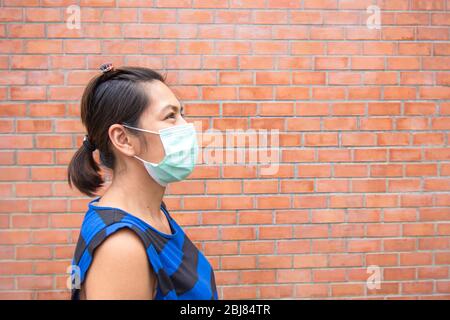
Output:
x=120 y=268
x=123 y=243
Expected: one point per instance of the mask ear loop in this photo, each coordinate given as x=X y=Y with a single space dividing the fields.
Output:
x=144 y=161
x=144 y=130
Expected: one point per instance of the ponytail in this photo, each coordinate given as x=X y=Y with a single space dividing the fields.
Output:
x=84 y=172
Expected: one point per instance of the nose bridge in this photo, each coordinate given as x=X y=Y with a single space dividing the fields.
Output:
x=181 y=120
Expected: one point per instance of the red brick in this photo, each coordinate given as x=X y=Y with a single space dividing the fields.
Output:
x=363 y=172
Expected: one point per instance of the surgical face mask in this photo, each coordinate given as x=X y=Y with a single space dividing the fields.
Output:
x=181 y=152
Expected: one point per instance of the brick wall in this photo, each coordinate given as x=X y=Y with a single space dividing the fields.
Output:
x=363 y=115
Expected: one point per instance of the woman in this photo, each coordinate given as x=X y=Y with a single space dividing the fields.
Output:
x=129 y=246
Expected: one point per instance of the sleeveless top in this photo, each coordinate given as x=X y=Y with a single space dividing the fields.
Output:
x=182 y=271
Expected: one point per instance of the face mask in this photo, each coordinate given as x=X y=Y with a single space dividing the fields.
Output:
x=181 y=151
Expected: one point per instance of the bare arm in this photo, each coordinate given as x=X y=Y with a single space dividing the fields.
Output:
x=120 y=269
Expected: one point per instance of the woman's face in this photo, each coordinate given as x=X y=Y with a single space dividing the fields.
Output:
x=165 y=111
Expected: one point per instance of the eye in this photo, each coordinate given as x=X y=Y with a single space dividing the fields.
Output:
x=170 y=115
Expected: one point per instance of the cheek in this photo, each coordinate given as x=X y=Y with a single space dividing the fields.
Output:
x=155 y=149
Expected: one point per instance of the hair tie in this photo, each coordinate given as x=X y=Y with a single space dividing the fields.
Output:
x=88 y=145
x=106 y=67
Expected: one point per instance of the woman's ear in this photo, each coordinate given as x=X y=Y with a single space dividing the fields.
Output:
x=123 y=141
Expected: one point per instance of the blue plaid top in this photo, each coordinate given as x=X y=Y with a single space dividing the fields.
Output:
x=182 y=271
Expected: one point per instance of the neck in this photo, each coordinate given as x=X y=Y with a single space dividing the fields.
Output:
x=136 y=192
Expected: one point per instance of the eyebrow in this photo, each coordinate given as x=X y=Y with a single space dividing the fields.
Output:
x=173 y=107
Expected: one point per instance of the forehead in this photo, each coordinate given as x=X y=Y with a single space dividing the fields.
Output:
x=160 y=95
